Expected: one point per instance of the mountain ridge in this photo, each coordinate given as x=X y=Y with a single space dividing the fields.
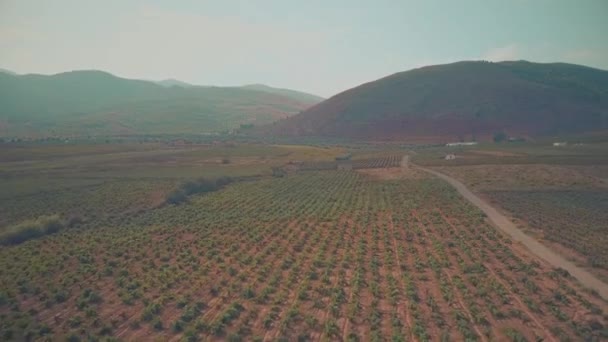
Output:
x=6 y=71
x=462 y=100
x=305 y=97
x=93 y=102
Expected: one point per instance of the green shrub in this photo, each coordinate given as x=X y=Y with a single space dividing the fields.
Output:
x=178 y=326
x=31 y=229
x=157 y=324
x=201 y=185
x=500 y=137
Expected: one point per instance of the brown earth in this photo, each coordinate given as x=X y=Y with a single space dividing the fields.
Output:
x=502 y=222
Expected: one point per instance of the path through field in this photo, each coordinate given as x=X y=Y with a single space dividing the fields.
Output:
x=586 y=278
x=405 y=161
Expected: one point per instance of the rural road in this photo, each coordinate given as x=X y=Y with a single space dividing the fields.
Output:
x=585 y=278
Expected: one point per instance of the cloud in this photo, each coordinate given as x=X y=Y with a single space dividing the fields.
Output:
x=505 y=53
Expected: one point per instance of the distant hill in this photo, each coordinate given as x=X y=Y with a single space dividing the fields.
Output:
x=293 y=94
x=463 y=100
x=170 y=82
x=98 y=103
x=5 y=71
x=296 y=95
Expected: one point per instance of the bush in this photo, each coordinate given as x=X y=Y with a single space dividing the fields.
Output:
x=176 y=197
x=157 y=324
x=202 y=185
x=500 y=137
x=178 y=326
x=31 y=229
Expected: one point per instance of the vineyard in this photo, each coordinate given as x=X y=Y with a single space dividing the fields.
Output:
x=376 y=163
x=574 y=219
x=521 y=177
x=315 y=256
x=96 y=201
x=103 y=182
x=365 y=163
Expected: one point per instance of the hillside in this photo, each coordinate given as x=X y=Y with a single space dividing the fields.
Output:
x=5 y=71
x=293 y=94
x=98 y=103
x=463 y=100
x=296 y=95
x=171 y=82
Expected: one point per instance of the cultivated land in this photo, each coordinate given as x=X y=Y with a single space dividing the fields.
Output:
x=556 y=194
x=502 y=222
x=383 y=251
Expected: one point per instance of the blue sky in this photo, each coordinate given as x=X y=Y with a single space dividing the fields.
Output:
x=323 y=47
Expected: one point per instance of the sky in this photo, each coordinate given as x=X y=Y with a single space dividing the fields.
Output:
x=319 y=46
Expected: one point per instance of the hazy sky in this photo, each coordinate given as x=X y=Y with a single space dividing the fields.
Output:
x=322 y=47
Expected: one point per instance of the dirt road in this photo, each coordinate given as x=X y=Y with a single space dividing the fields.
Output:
x=405 y=161
x=502 y=222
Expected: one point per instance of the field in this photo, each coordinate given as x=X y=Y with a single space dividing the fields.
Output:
x=362 y=162
x=101 y=181
x=365 y=255
x=558 y=195
x=542 y=152
x=574 y=219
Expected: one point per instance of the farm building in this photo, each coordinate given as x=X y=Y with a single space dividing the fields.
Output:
x=559 y=144
x=450 y=156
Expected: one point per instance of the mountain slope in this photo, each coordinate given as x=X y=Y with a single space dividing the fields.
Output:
x=296 y=95
x=293 y=94
x=461 y=101
x=98 y=103
x=5 y=71
x=171 y=82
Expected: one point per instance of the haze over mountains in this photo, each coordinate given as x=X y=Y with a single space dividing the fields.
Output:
x=464 y=100
x=298 y=95
x=82 y=103
x=458 y=101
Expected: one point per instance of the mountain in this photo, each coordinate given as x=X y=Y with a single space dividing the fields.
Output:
x=98 y=103
x=293 y=94
x=463 y=100
x=171 y=82
x=5 y=71
x=296 y=95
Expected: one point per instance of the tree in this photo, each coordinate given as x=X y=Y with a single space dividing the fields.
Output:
x=500 y=137
x=278 y=172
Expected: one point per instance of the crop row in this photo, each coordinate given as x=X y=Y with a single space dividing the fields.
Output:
x=574 y=219
x=367 y=163
x=320 y=255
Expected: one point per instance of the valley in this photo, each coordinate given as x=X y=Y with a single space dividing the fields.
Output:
x=277 y=171
x=259 y=258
